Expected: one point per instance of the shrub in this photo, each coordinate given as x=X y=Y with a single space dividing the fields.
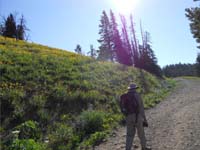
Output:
x=29 y=130
x=62 y=137
x=27 y=144
x=11 y=103
x=90 y=122
x=95 y=139
x=111 y=121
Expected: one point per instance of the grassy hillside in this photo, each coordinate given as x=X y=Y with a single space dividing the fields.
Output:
x=54 y=99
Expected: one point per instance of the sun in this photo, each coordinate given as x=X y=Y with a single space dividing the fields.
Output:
x=125 y=6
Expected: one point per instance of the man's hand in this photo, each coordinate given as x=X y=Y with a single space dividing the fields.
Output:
x=145 y=124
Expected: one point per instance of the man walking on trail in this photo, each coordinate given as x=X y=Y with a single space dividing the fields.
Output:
x=132 y=106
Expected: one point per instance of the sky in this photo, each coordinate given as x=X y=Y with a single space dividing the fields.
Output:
x=65 y=23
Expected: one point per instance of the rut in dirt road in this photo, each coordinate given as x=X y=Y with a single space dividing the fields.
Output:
x=174 y=124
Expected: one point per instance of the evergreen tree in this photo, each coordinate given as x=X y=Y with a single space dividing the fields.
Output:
x=78 y=49
x=92 y=52
x=105 y=49
x=193 y=15
x=10 y=29
x=21 y=28
x=116 y=47
x=126 y=42
x=148 y=60
x=118 y=50
x=134 y=44
x=1 y=29
x=198 y=65
x=114 y=35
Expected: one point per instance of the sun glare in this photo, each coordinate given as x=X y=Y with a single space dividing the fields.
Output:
x=125 y=6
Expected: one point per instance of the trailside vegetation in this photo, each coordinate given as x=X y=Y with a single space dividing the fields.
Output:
x=53 y=99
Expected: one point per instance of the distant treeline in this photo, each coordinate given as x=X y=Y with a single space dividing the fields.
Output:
x=176 y=70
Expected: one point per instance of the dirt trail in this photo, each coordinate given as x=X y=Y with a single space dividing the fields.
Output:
x=174 y=124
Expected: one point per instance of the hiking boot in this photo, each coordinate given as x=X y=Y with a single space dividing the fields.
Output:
x=146 y=148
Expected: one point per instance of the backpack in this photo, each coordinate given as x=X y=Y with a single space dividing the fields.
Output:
x=129 y=104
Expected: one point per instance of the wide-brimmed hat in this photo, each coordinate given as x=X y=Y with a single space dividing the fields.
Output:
x=132 y=86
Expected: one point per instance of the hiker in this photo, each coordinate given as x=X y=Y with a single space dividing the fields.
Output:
x=132 y=106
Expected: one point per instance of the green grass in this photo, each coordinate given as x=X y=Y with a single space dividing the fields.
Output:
x=55 y=87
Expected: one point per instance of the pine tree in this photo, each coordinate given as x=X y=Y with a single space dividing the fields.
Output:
x=1 y=29
x=92 y=52
x=78 y=49
x=105 y=49
x=134 y=43
x=21 y=28
x=117 y=47
x=148 y=60
x=198 y=65
x=10 y=29
x=126 y=42
x=193 y=15
x=114 y=35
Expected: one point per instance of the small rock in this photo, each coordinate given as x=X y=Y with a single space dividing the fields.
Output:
x=115 y=143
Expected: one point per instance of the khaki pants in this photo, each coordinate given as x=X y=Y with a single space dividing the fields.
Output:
x=132 y=125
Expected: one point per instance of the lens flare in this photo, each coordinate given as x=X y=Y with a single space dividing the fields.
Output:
x=125 y=6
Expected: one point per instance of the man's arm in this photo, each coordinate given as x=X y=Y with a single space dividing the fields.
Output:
x=141 y=107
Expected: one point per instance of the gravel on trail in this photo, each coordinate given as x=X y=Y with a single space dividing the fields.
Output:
x=174 y=124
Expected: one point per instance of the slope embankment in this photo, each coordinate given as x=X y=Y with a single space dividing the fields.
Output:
x=65 y=99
